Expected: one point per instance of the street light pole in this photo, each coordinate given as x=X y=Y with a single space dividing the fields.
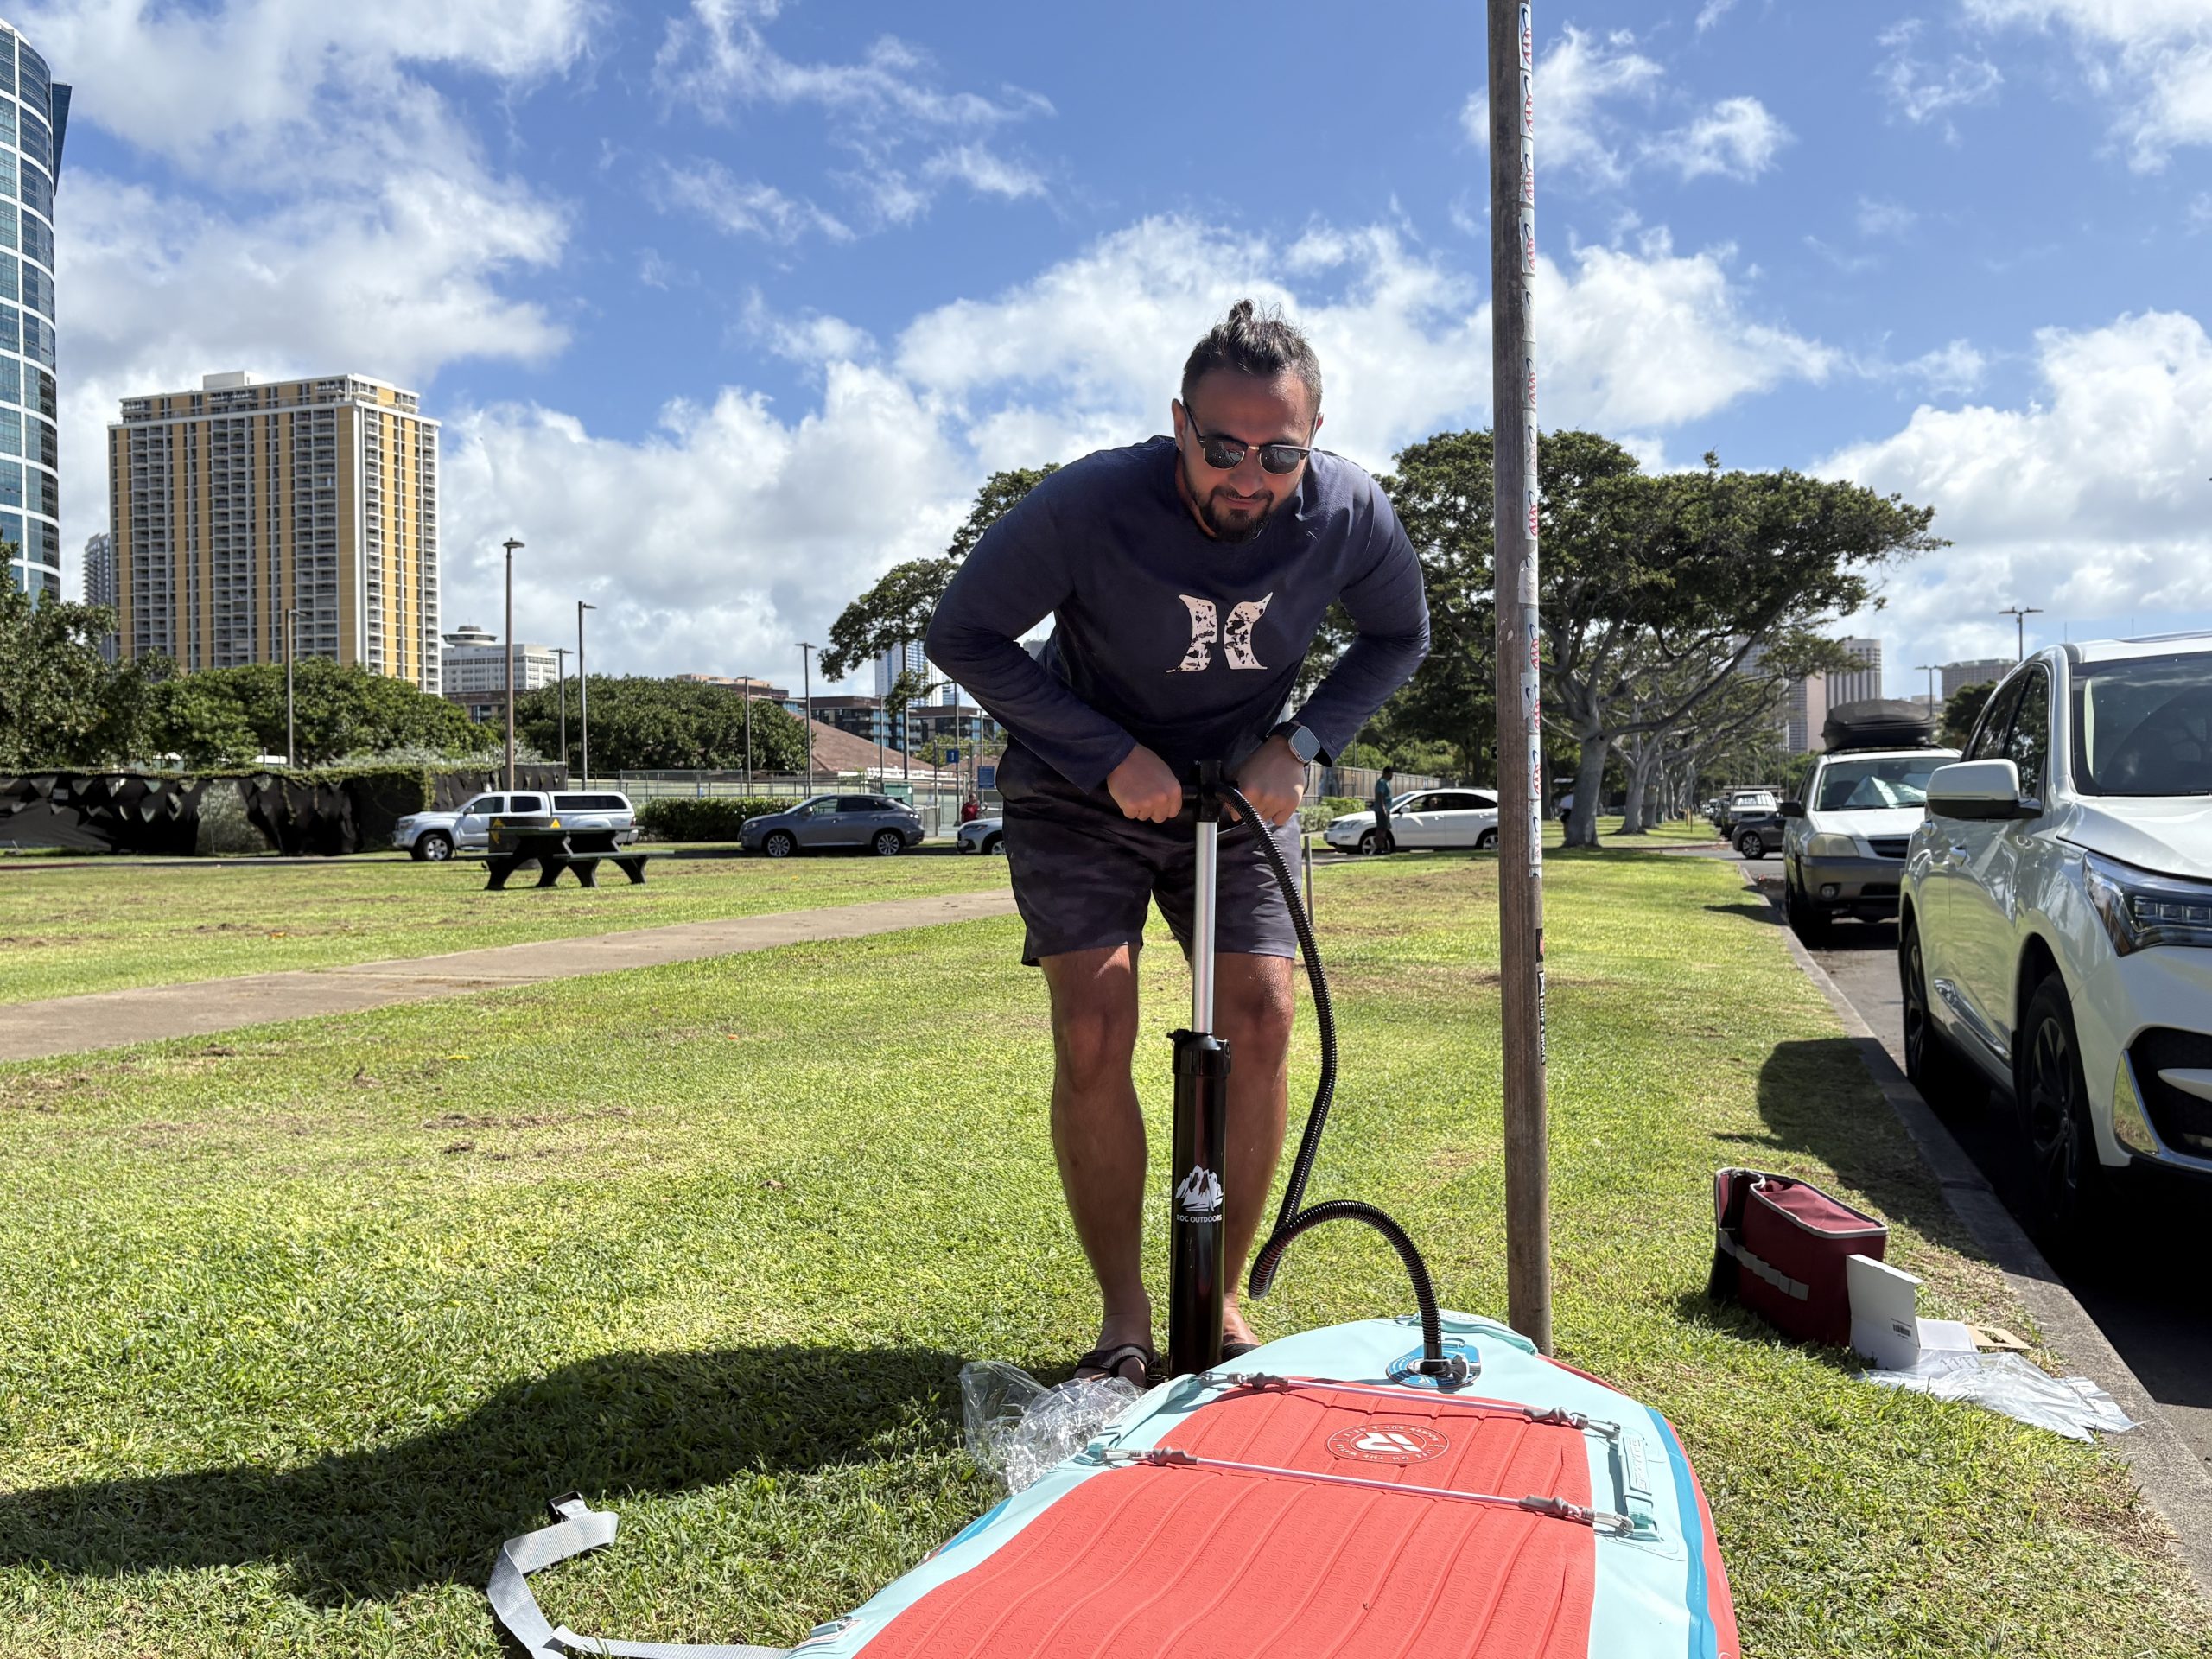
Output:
x=510 y=544
x=583 y=699
x=1520 y=732
x=1931 y=668
x=291 y=648
x=561 y=696
x=2020 y=616
x=806 y=670
x=745 y=691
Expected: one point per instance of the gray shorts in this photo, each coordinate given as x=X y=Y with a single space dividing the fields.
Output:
x=1084 y=877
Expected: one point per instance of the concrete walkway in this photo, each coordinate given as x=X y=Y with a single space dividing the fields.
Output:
x=69 y=1025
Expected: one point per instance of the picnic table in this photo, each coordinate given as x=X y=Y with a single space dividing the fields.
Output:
x=539 y=838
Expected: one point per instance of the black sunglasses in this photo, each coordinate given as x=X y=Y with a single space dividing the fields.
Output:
x=1224 y=455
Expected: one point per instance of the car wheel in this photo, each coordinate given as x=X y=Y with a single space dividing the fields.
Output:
x=1368 y=844
x=780 y=843
x=888 y=843
x=2054 y=1104
x=994 y=844
x=433 y=846
x=1806 y=919
x=1946 y=1081
x=1486 y=841
x=1749 y=845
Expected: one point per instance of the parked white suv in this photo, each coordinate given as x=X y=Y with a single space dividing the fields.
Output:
x=2055 y=928
x=434 y=837
x=1843 y=846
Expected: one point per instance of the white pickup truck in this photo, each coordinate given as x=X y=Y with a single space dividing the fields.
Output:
x=433 y=838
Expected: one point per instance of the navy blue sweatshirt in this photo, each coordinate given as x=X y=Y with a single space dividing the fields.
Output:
x=1164 y=636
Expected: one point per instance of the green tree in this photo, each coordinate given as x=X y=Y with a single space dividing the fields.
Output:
x=230 y=715
x=61 y=703
x=642 y=724
x=1963 y=709
x=1656 y=590
x=897 y=609
x=198 y=719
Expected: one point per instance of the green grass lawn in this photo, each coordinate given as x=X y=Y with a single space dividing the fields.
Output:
x=295 y=1326
x=101 y=927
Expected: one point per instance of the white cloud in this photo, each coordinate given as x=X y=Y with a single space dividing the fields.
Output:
x=214 y=89
x=1632 y=340
x=1711 y=12
x=1921 y=93
x=1955 y=367
x=741 y=207
x=879 y=108
x=708 y=543
x=2200 y=211
x=2088 y=500
x=985 y=172
x=2150 y=59
x=1574 y=81
x=1581 y=84
x=1881 y=218
x=1737 y=139
x=753 y=527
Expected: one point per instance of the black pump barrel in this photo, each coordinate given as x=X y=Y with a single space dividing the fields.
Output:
x=1196 y=1271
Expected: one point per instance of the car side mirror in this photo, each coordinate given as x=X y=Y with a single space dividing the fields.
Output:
x=1793 y=809
x=1979 y=791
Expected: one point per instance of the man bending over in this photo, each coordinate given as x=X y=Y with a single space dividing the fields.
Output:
x=1185 y=577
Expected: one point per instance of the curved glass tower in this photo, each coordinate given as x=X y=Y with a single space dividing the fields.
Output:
x=34 y=112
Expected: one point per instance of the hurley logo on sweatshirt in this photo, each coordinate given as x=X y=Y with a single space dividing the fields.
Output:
x=1235 y=636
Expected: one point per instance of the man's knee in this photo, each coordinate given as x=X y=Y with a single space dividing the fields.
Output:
x=1089 y=1041
x=1256 y=1009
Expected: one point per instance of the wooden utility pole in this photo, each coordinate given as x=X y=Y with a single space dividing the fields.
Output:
x=1520 y=734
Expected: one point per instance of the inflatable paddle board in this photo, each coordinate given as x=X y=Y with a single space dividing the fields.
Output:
x=1315 y=1497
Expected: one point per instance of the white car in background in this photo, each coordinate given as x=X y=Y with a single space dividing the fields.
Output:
x=986 y=835
x=433 y=838
x=1843 y=846
x=1426 y=819
x=2054 y=934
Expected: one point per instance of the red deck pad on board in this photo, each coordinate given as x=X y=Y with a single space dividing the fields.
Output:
x=1165 y=1563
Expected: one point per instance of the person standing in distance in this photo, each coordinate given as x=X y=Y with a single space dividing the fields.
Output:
x=1386 y=839
x=1185 y=577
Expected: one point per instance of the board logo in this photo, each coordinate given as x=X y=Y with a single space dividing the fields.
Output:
x=1398 y=1443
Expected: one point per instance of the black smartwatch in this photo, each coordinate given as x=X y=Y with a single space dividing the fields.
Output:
x=1303 y=743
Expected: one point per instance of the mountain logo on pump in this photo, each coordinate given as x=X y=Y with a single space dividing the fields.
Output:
x=1198 y=1199
x=1399 y=1443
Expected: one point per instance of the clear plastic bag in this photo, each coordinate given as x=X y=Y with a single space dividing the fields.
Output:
x=1017 y=1428
x=2071 y=1406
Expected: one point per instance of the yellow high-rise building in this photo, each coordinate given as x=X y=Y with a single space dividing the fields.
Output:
x=233 y=505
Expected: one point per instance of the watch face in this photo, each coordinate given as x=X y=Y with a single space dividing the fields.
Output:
x=1305 y=745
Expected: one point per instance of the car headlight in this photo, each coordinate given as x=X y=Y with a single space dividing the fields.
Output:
x=1832 y=846
x=2139 y=909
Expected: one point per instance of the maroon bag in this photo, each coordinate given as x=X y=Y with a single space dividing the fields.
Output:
x=1779 y=1247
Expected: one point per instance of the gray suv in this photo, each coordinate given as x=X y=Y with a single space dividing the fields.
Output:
x=882 y=825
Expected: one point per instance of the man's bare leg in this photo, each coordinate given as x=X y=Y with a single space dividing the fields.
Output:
x=1253 y=1010
x=1098 y=1130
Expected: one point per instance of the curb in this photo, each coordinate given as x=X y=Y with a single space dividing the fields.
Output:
x=2169 y=1474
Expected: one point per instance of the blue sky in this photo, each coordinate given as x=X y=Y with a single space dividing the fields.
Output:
x=727 y=304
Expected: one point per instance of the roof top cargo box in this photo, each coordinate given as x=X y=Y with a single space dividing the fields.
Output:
x=1879 y=723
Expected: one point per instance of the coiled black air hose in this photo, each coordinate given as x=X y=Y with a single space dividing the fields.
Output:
x=1295 y=1219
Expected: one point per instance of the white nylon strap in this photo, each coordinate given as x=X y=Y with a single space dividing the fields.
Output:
x=580 y=1528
